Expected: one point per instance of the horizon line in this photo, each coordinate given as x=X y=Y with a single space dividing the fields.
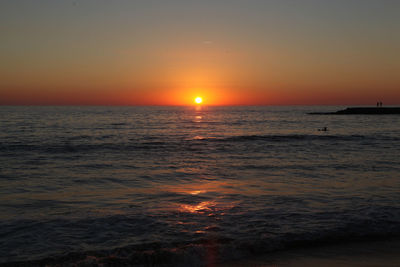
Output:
x=203 y=105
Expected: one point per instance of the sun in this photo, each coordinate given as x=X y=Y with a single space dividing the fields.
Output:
x=198 y=100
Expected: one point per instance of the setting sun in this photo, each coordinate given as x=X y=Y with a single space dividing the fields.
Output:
x=198 y=100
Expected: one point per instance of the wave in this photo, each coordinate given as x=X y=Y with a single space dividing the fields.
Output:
x=174 y=144
x=213 y=248
x=205 y=252
x=290 y=137
x=74 y=148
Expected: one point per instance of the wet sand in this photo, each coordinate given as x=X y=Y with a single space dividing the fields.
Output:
x=379 y=253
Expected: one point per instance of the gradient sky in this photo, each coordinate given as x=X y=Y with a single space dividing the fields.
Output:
x=167 y=52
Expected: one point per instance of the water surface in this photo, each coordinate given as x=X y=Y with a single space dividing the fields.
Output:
x=192 y=184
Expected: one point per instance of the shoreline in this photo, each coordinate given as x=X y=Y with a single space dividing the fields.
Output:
x=370 y=253
x=354 y=253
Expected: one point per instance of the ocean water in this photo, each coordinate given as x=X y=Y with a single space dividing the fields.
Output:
x=191 y=185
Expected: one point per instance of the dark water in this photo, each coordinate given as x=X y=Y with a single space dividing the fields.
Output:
x=180 y=185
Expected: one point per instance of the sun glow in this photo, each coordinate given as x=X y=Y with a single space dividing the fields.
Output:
x=198 y=100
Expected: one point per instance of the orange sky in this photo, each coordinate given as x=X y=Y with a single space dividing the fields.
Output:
x=228 y=52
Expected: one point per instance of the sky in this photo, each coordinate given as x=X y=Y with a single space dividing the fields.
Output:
x=167 y=52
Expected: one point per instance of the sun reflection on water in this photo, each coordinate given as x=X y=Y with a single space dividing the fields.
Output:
x=198 y=208
x=209 y=198
x=196 y=192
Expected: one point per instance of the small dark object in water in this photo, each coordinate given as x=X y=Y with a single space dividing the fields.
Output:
x=324 y=129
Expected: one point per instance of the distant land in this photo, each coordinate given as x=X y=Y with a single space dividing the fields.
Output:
x=362 y=111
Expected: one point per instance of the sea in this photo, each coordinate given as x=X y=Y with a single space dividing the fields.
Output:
x=191 y=186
